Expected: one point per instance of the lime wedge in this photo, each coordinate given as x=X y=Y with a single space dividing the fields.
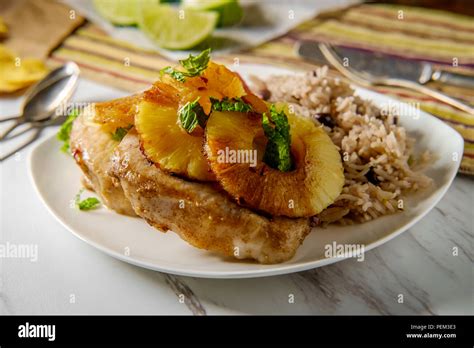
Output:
x=121 y=12
x=177 y=29
x=229 y=11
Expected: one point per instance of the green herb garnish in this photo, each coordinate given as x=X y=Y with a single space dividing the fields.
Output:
x=191 y=115
x=234 y=104
x=65 y=131
x=193 y=65
x=277 y=130
x=177 y=75
x=89 y=203
x=196 y=65
x=120 y=133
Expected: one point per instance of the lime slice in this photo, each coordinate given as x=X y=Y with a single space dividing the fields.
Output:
x=177 y=29
x=229 y=11
x=121 y=12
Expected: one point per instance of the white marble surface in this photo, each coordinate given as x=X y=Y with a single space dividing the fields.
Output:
x=419 y=265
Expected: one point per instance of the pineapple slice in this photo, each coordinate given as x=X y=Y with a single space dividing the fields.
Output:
x=120 y=113
x=314 y=183
x=164 y=142
x=215 y=82
x=117 y=113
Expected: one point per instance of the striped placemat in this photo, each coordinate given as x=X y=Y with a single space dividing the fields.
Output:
x=446 y=39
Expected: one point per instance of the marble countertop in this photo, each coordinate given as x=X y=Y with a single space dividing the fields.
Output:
x=426 y=270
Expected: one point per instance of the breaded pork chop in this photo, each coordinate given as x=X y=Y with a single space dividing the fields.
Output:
x=201 y=214
x=92 y=148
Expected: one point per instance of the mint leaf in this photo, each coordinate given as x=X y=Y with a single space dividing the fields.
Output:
x=196 y=65
x=65 y=131
x=234 y=104
x=193 y=65
x=86 y=204
x=191 y=115
x=89 y=204
x=277 y=130
x=177 y=75
x=120 y=133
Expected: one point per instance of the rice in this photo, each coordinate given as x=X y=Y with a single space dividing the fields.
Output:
x=379 y=165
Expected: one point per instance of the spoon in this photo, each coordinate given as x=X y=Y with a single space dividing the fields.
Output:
x=43 y=98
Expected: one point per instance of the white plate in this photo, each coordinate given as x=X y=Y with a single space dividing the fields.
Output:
x=57 y=180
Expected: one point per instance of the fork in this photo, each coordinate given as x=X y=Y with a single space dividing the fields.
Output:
x=37 y=128
x=368 y=80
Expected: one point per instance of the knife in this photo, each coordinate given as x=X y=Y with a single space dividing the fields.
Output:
x=386 y=66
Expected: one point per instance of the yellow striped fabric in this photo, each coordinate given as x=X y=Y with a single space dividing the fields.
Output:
x=446 y=39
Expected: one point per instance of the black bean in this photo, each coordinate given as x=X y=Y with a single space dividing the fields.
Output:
x=372 y=177
x=265 y=94
x=383 y=117
x=326 y=120
x=315 y=221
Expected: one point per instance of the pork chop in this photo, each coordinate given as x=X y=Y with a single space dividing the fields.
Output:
x=92 y=148
x=202 y=214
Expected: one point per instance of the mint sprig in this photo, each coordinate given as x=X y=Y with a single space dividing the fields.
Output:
x=277 y=129
x=234 y=104
x=196 y=65
x=193 y=65
x=64 y=132
x=177 y=75
x=89 y=203
x=191 y=115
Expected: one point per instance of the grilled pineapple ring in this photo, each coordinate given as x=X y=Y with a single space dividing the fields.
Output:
x=314 y=183
x=167 y=145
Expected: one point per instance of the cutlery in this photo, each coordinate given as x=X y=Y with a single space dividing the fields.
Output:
x=45 y=97
x=37 y=128
x=386 y=66
x=366 y=79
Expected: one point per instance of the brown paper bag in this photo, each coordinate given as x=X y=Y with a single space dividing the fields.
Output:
x=36 y=27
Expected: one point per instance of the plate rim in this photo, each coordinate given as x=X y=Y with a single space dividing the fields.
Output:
x=257 y=273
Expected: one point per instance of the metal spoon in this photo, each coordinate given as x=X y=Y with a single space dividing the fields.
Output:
x=43 y=98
